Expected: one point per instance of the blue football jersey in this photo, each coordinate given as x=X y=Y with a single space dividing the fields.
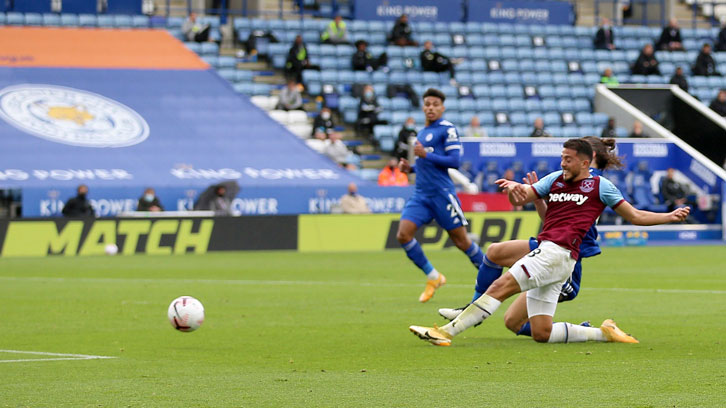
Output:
x=440 y=138
x=589 y=246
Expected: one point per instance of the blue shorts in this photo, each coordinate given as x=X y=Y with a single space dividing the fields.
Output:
x=571 y=287
x=445 y=208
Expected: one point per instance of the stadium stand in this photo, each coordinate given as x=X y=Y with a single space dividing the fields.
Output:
x=513 y=74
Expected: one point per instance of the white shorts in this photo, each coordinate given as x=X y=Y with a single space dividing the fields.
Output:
x=541 y=274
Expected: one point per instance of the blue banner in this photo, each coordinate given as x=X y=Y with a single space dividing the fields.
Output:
x=416 y=10
x=657 y=153
x=521 y=12
x=124 y=7
x=110 y=202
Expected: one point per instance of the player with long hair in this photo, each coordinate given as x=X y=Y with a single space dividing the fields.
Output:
x=575 y=199
x=504 y=254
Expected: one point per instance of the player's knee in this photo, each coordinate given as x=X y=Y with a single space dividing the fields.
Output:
x=513 y=323
x=541 y=335
x=494 y=252
x=403 y=237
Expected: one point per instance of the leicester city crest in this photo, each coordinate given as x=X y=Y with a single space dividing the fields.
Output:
x=71 y=116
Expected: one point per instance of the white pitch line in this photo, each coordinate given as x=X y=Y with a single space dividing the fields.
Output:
x=58 y=356
x=321 y=283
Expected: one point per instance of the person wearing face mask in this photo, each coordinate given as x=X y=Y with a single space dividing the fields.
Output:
x=323 y=121
x=391 y=175
x=407 y=131
x=149 y=201
x=368 y=111
x=354 y=203
x=604 y=39
x=79 y=206
x=221 y=204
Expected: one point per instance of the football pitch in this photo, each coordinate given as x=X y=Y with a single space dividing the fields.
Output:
x=313 y=330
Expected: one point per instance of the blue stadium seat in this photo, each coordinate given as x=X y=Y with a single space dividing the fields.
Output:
x=209 y=48
x=33 y=19
x=483 y=104
x=140 y=21
x=14 y=18
x=552 y=119
x=50 y=19
x=228 y=74
x=226 y=62
x=194 y=47
x=69 y=20
x=104 y=21
x=518 y=118
x=521 y=131
x=122 y=21
x=600 y=119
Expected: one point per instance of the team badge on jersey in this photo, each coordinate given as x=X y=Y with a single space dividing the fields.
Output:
x=429 y=137
x=587 y=185
x=71 y=116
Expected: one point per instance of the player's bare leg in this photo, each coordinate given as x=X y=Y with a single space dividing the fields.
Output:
x=516 y=315
x=505 y=254
x=405 y=236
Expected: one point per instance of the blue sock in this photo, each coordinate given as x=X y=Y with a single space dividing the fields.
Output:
x=488 y=273
x=415 y=254
x=475 y=255
x=526 y=330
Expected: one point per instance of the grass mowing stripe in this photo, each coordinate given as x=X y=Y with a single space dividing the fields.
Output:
x=321 y=283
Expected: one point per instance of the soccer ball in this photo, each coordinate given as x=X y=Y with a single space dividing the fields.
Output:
x=111 y=249
x=186 y=313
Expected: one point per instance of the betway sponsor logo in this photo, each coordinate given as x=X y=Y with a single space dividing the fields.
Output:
x=497 y=149
x=253 y=173
x=579 y=199
x=650 y=150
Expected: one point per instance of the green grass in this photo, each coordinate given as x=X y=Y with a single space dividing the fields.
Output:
x=310 y=330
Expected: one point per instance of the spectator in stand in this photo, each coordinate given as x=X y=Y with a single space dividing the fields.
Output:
x=79 y=206
x=149 y=202
x=401 y=34
x=435 y=62
x=718 y=105
x=608 y=78
x=318 y=141
x=368 y=111
x=336 y=149
x=354 y=203
x=679 y=79
x=364 y=61
x=609 y=130
x=336 y=32
x=391 y=175
x=721 y=40
x=298 y=60
x=539 y=130
x=194 y=30
x=674 y=193
x=705 y=64
x=221 y=204
x=604 y=39
x=290 y=98
x=670 y=37
x=646 y=64
x=638 y=130
x=475 y=129
x=323 y=121
x=407 y=131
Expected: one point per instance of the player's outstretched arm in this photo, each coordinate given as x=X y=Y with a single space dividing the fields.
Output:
x=539 y=203
x=641 y=217
x=519 y=194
